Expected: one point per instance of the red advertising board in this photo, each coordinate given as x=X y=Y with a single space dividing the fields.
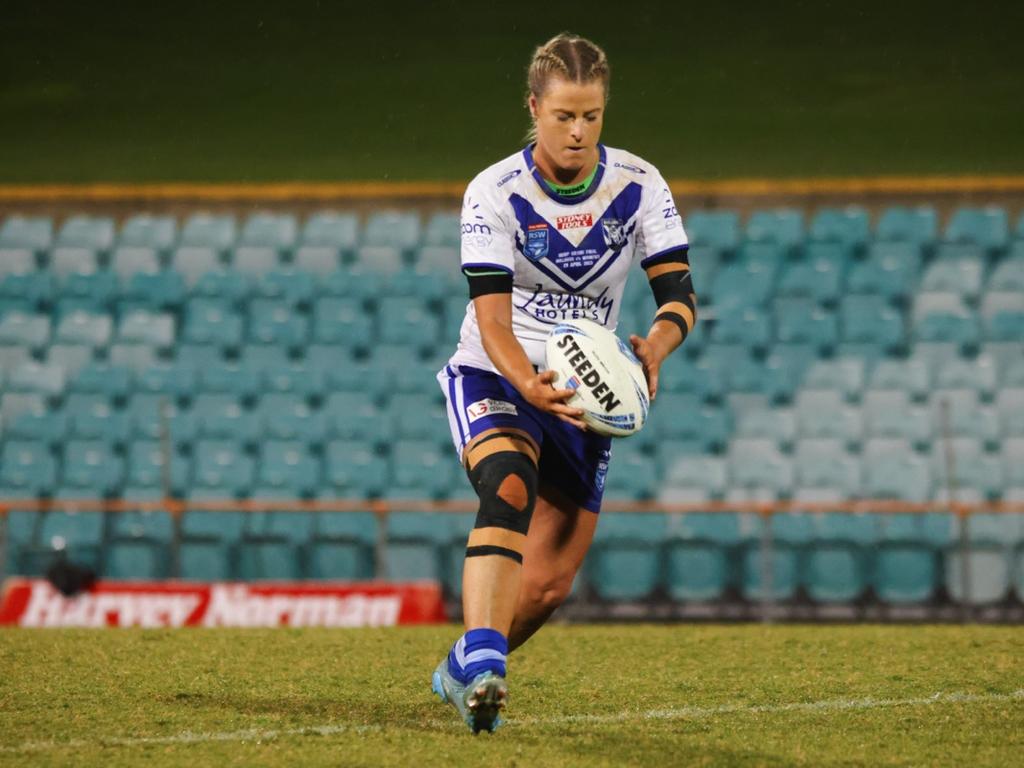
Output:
x=35 y=603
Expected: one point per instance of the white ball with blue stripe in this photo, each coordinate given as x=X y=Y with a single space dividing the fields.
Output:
x=609 y=380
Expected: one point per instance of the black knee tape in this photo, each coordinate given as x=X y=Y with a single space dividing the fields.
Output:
x=487 y=477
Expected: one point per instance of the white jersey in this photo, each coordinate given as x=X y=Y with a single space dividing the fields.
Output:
x=569 y=257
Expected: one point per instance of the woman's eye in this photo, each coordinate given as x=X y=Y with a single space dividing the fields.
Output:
x=563 y=118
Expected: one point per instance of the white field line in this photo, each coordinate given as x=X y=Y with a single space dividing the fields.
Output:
x=682 y=713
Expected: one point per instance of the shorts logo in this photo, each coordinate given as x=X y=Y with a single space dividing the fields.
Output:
x=614 y=234
x=536 y=242
x=575 y=221
x=489 y=407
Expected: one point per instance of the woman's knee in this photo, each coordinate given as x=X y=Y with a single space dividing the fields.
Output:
x=549 y=593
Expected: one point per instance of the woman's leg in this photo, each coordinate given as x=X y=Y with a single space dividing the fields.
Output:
x=559 y=537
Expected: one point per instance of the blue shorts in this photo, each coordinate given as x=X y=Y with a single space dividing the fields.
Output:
x=571 y=460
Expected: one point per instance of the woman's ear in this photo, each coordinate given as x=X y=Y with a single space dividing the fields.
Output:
x=533 y=106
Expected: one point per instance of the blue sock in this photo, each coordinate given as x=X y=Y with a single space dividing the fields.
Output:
x=476 y=652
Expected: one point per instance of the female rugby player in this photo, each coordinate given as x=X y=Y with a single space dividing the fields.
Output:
x=548 y=234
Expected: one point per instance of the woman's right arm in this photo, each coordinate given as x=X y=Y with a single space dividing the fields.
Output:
x=494 y=317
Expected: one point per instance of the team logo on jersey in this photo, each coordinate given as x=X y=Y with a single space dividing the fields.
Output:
x=614 y=233
x=574 y=221
x=536 y=242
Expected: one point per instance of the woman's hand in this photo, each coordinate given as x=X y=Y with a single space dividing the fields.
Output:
x=651 y=357
x=539 y=392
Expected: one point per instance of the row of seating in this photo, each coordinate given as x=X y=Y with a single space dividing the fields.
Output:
x=986 y=226
x=826 y=558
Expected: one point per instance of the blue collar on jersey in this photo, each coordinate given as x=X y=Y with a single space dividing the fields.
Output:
x=566 y=199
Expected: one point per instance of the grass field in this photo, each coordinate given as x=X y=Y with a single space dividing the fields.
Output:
x=581 y=696
x=311 y=90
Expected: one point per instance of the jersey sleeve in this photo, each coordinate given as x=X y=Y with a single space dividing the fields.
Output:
x=488 y=244
x=661 y=226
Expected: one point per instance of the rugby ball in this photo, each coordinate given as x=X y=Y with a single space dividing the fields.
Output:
x=609 y=380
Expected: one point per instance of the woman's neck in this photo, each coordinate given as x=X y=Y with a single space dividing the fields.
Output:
x=565 y=177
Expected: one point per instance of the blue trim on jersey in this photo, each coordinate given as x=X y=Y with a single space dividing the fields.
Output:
x=602 y=160
x=617 y=215
x=648 y=259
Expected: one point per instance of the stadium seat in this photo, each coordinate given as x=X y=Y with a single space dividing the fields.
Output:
x=427 y=286
x=331 y=229
x=102 y=378
x=625 y=561
x=379 y=259
x=211 y=321
x=757 y=463
x=919 y=226
x=680 y=374
x=838 y=565
x=88 y=328
x=76 y=533
x=94 y=291
x=1008 y=274
x=294 y=287
x=317 y=260
x=287 y=416
x=148 y=467
x=978 y=374
x=871 y=319
x=253 y=260
x=13 y=404
x=698 y=554
x=49 y=427
x=296 y=378
x=150 y=328
x=344 y=321
x=270 y=230
x=99 y=421
x=825 y=463
x=422 y=464
x=92 y=232
x=209 y=540
x=911 y=376
x=343 y=545
x=138 y=545
x=818 y=276
x=776 y=424
x=153 y=416
x=355 y=467
x=274 y=322
x=1003 y=315
x=742 y=285
x=16 y=261
x=891 y=270
x=221 y=465
x=747 y=326
x=802 y=321
x=127 y=261
x=890 y=413
x=893 y=471
x=956 y=269
x=973 y=470
x=960 y=411
x=265 y=357
x=415 y=545
x=356 y=416
x=843 y=374
x=419 y=416
x=144 y=230
x=34 y=233
x=785 y=368
x=394 y=229
x=223 y=416
x=682 y=416
x=192 y=262
x=1010 y=409
x=907 y=565
x=230 y=288
x=91 y=464
x=31 y=331
x=784 y=227
x=178 y=380
x=356 y=283
x=28 y=465
x=138 y=357
x=443 y=229
x=988 y=228
x=214 y=231
x=718 y=229
x=289 y=465
x=442 y=262
x=39 y=378
x=943 y=317
x=772 y=561
x=632 y=475
x=152 y=291
x=823 y=414
x=848 y=227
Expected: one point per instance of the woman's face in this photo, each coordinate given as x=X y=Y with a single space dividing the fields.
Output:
x=568 y=117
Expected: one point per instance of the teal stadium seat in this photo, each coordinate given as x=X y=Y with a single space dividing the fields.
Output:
x=151 y=414
x=214 y=231
x=978 y=374
x=775 y=424
x=892 y=470
x=177 y=380
x=85 y=328
x=848 y=227
x=919 y=226
x=92 y=465
x=944 y=317
x=717 y=229
x=382 y=260
x=34 y=233
x=705 y=261
x=331 y=229
x=296 y=378
x=802 y=321
x=891 y=269
x=343 y=545
x=746 y=326
x=100 y=421
x=419 y=416
x=148 y=328
x=824 y=464
x=221 y=466
x=273 y=321
x=907 y=563
x=13 y=404
x=71 y=357
x=230 y=288
x=421 y=464
x=212 y=322
x=279 y=231
x=145 y=230
x=785 y=368
x=625 y=561
x=37 y=378
x=442 y=262
x=111 y=380
x=262 y=358
x=294 y=287
x=49 y=427
x=356 y=416
x=823 y=414
x=153 y=291
x=230 y=378
x=407 y=321
x=77 y=534
x=742 y=285
x=699 y=551
x=818 y=276
x=1008 y=274
x=1010 y=409
x=148 y=467
x=317 y=260
x=1003 y=315
x=139 y=542
x=29 y=466
x=783 y=226
x=16 y=261
x=839 y=564
x=776 y=573
x=911 y=376
x=273 y=545
x=680 y=374
x=962 y=412
x=956 y=269
x=415 y=545
x=193 y=262
x=757 y=463
x=286 y=416
x=223 y=416
x=355 y=282
x=82 y=231
x=870 y=319
x=987 y=227
x=843 y=374
x=992 y=539
x=209 y=539
x=632 y=474
x=354 y=467
x=426 y=286
x=683 y=416
x=394 y=229
x=94 y=291
x=974 y=471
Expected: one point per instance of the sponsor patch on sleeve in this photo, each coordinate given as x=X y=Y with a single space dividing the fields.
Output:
x=489 y=407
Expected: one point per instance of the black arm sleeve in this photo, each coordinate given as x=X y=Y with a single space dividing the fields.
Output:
x=483 y=282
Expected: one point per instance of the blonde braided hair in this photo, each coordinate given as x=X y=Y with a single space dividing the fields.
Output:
x=574 y=58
